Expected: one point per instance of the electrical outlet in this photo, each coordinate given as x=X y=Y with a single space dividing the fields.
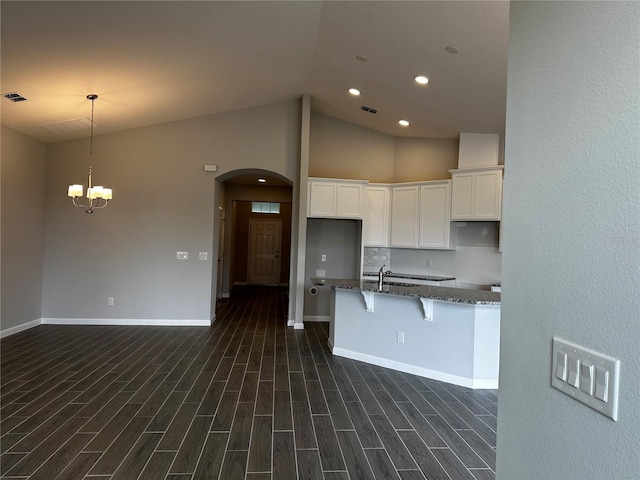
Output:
x=202 y=256
x=182 y=255
x=111 y=301
x=428 y=263
x=400 y=337
x=324 y=258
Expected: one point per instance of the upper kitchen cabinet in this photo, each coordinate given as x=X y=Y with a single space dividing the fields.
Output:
x=477 y=193
x=376 y=217
x=405 y=202
x=436 y=231
x=420 y=215
x=330 y=197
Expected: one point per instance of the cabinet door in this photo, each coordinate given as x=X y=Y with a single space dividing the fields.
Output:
x=376 y=216
x=435 y=216
x=404 y=217
x=322 y=199
x=462 y=201
x=349 y=200
x=488 y=195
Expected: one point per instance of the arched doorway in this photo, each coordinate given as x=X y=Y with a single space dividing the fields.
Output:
x=244 y=205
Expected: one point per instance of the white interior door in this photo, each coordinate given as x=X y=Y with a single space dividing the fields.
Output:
x=264 y=251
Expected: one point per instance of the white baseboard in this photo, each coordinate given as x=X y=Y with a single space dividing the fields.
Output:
x=316 y=318
x=298 y=326
x=482 y=383
x=330 y=344
x=157 y=322
x=225 y=295
x=291 y=323
x=19 y=328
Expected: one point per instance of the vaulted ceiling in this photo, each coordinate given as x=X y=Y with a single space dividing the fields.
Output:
x=153 y=62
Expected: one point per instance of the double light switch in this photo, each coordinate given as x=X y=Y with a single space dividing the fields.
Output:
x=588 y=376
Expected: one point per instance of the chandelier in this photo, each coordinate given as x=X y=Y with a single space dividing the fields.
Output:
x=97 y=196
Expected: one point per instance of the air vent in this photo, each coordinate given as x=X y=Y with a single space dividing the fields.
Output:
x=369 y=109
x=14 y=97
x=67 y=126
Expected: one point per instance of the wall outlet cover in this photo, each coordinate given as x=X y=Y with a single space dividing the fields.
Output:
x=573 y=370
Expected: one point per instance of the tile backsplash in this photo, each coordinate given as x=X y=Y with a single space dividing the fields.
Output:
x=376 y=257
x=473 y=267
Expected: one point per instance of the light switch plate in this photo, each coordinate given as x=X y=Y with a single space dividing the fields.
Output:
x=202 y=255
x=590 y=358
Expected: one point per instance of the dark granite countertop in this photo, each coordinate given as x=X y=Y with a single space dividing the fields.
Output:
x=443 y=294
x=413 y=276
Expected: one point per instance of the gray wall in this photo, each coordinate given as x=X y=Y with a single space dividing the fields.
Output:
x=422 y=159
x=571 y=235
x=339 y=149
x=340 y=241
x=163 y=202
x=23 y=205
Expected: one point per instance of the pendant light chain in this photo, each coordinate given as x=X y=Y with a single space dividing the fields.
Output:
x=97 y=196
x=93 y=101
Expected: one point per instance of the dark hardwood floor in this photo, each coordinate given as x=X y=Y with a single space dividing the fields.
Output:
x=247 y=398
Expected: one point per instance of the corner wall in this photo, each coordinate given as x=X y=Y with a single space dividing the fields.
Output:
x=24 y=164
x=163 y=203
x=571 y=235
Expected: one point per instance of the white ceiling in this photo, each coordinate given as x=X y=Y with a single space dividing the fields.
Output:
x=154 y=62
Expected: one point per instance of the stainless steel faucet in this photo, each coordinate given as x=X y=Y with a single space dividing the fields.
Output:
x=381 y=275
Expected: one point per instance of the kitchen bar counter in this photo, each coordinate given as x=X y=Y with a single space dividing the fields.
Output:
x=447 y=334
x=443 y=294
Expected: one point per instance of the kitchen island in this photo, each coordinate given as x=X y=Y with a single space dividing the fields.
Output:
x=447 y=334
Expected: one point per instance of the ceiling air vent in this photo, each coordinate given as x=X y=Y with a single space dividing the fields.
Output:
x=14 y=97
x=369 y=109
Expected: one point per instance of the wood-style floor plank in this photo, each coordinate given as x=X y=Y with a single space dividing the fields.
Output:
x=246 y=398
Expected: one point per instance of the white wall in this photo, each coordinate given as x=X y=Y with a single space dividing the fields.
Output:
x=163 y=202
x=571 y=235
x=24 y=168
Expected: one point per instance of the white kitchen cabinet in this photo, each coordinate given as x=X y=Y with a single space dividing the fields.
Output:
x=405 y=204
x=330 y=197
x=435 y=216
x=376 y=218
x=421 y=215
x=476 y=193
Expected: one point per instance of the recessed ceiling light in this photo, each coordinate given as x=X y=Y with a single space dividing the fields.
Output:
x=361 y=58
x=354 y=91
x=422 y=80
x=262 y=180
x=404 y=123
x=452 y=49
